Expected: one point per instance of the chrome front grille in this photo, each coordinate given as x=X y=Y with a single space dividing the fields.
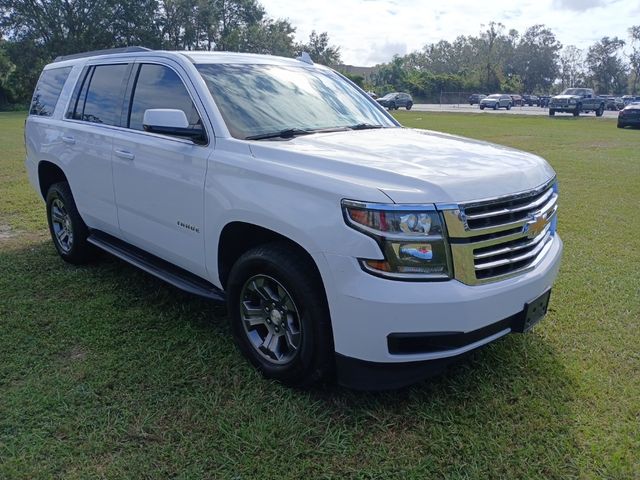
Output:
x=501 y=237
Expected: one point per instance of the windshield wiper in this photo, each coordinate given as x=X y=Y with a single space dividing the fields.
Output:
x=286 y=133
x=364 y=126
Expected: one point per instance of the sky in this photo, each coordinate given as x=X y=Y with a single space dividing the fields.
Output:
x=372 y=31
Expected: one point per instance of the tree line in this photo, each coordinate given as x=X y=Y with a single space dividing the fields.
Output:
x=501 y=60
x=34 y=32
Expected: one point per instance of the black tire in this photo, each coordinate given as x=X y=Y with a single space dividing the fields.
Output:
x=314 y=359
x=409 y=105
x=620 y=125
x=552 y=112
x=495 y=106
x=481 y=107
x=576 y=112
x=62 y=212
x=392 y=106
x=508 y=106
x=600 y=111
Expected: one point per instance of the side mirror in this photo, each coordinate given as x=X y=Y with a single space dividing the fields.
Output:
x=168 y=121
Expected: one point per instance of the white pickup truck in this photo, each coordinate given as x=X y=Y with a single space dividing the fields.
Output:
x=342 y=242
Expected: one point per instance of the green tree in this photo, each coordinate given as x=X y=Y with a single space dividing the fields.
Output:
x=605 y=67
x=571 y=68
x=634 y=58
x=536 y=59
x=320 y=50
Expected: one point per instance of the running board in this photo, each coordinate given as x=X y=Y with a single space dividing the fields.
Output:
x=162 y=269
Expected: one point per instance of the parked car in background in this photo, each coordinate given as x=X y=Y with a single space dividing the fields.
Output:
x=531 y=100
x=629 y=116
x=395 y=100
x=576 y=101
x=496 y=101
x=516 y=100
x=612 y=103
x=629 y=99
x=543 y=101
x=340 y=241
x=475 y=98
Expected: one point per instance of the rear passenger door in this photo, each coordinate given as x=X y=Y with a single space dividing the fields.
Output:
x=159 y=179
x=93 y=114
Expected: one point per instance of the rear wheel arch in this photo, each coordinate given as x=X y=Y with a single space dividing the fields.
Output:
x=49 y=174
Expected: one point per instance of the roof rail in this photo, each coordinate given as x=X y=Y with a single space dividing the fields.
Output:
x=108 y=51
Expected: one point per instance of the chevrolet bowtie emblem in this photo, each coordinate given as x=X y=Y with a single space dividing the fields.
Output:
x=535 y=226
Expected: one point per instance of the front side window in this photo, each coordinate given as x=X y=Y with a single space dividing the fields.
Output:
x=258 y=99
x=158 y=86
x=99 y=96
x=48 y=91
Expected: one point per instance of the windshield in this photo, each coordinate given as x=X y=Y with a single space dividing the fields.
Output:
x=494 y=96
x=259 y=99
x=573 y=91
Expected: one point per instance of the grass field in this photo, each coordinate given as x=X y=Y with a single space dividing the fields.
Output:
x=107 y=373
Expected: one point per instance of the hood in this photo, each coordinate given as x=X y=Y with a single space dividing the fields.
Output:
x=490 y=100
x=412 y=166
x=566 y=97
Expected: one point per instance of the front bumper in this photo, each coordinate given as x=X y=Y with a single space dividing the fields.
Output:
x=564 y=108
x=367 y=310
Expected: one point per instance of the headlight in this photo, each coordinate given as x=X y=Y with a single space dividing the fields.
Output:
x=411 y=238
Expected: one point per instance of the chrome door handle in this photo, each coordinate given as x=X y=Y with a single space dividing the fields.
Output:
x=124 y=154
x=69 y=140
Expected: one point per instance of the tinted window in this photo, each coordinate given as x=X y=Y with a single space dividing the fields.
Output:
x=103 y=103
x=48 y=90
x=158 y=86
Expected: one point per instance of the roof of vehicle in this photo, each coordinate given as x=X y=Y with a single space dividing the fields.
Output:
x=193 y=56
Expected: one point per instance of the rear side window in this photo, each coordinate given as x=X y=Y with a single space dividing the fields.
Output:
x=98 y=97
x=158 y=86
x=48 y=91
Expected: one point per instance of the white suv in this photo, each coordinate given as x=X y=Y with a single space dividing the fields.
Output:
x=340 y=241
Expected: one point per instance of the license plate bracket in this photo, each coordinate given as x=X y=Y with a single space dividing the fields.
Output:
x=533 y=312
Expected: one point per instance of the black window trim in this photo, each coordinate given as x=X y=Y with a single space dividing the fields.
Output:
x=129 y=94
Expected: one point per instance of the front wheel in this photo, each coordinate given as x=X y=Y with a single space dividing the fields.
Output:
x=68 y=231
x=600 y=111
x=409 y=105
x=279 y=314
x=392 y=106
x=508 y=106
x=495 y=107
x=481 y=107
x=552 y=112
x=576 y=112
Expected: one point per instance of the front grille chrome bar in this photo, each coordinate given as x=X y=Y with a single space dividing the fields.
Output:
x=501 y=237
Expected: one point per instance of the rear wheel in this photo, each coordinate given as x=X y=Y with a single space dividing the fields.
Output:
x=279 y=315
x=552 y=112
x=68 y=231
x=409 y=105
x=481 y=107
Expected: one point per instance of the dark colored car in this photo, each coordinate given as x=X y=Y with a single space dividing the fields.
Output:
x=612 y=103
x=395 y=100
x=531 y=100
x=475 y=98
x=629 y=116
x=543 y=101
x=496 y=101
x=517 y=100
x=577 y=101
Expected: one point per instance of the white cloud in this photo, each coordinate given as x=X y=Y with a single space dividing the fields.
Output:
x=372 y=31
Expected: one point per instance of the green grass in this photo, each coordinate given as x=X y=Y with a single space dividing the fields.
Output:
x=107 y=373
